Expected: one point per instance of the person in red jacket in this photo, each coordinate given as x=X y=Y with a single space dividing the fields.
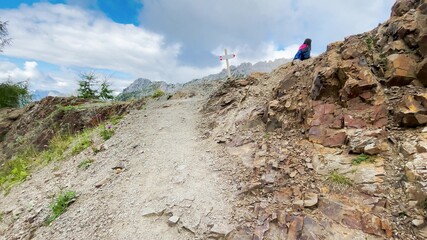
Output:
x=304 y=50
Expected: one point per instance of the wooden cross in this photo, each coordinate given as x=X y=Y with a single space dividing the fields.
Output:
x=226 y=57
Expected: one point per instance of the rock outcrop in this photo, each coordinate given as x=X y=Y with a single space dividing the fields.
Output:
x=353 y=117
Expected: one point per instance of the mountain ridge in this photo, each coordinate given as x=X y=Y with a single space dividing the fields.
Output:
x=143 y=87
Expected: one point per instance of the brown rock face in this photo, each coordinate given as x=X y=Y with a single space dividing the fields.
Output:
x=422 y=26
x=402 y=6
x=402 y=69
x=422 y=72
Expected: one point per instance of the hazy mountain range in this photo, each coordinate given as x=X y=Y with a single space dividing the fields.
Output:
x=143 y=87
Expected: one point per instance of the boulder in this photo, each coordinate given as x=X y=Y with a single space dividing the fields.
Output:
x=401 y=69
x=354 y=87
x=335 y=140
x=422 y=72
x=411 y=112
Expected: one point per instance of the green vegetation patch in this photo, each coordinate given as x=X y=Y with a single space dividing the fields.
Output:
x=60 y=205
x=106 y=132
x=85 y=164
x=57 y=147
x=116 y=119
x=363 y=158
x=84 y=141
x=337 y=178
x=158 y=93
x=18 y=168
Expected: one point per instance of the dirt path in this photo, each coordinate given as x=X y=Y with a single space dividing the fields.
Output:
x=168 y=171
x=175 y=176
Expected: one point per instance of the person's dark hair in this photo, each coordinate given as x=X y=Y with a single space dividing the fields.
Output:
x=308 y=42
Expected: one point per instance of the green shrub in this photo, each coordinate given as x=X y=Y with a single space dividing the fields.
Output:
x=362 y=158
x=60 y=205
x=14 y=95
x=158 y=93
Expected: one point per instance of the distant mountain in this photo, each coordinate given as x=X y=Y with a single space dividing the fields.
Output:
x=246 y=69
x=143 y=87
x=38 y=95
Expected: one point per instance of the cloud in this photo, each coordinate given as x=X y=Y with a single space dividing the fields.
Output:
x=200 y=26
x=74 y=37
x=9 y=71
x=36 y=79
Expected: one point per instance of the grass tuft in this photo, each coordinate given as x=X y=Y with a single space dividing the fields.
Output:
x=84 y=141
x=60 y=205
x=338 y=178
x=85 y=164
x=363 y=158
x=106 y=132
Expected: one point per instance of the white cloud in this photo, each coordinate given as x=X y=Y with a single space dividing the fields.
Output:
x=70 y=36
x=9 y=71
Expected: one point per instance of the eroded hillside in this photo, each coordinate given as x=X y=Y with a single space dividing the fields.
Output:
x=333 y=147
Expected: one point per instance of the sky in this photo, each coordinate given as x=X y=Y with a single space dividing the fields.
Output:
x=53 y=42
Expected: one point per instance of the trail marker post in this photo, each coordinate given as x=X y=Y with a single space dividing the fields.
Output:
x=226 y=57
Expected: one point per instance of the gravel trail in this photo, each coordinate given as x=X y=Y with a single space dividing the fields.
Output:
x=155 y=179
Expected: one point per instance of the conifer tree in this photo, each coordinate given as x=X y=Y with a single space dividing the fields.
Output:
x=106 y=92
x=88 y=80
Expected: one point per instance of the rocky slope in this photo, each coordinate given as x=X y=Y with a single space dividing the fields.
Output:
x=333 y=147
x=36 y=124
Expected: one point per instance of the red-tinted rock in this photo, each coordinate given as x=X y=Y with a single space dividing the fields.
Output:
x=341 y=213
x=386 y=227
x=372 y=224
x=336 y=140
x=338 y=122
x=366 y=96
x=324 y=109
x=352 y=122
x=380 y=116
x=323 y=120
x=316 y=134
